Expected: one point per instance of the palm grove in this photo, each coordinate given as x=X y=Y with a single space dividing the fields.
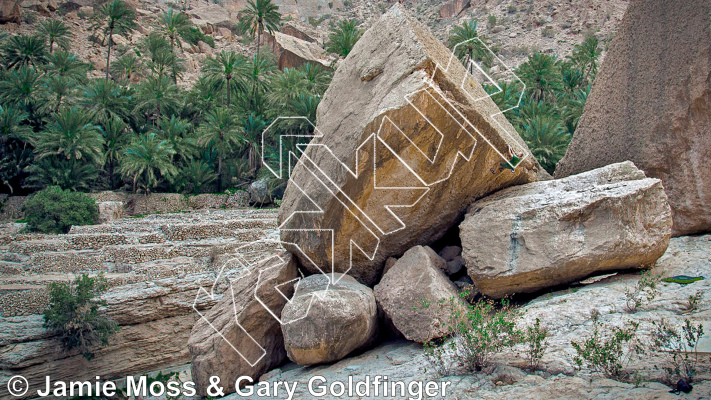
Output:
x=137 y=128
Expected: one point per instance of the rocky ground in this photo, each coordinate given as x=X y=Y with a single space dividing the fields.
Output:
x=567 y=316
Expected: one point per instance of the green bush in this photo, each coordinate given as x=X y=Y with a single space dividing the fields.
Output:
x=608 y=350
x=75 y=315
x=54 y=210
x=480 y=331
x=536 y=340
x=193 y=35
x=678 y=346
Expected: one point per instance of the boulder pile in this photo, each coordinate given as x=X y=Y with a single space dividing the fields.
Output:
x=408 y=147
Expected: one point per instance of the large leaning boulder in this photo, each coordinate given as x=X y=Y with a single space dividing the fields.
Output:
x=325 y=321
x=408 y=140
x=418 y=297
x=545 y=234
x=651 y=104
x=241 y=335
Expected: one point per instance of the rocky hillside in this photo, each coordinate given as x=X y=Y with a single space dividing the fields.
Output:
x=514 y=28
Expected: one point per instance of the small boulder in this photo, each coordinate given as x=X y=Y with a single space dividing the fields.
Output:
x=110 y=211
x=450 y=252
x=259 y=193
x=545 y=234
x=324 y=322
x=417 y=296
x=454 y=265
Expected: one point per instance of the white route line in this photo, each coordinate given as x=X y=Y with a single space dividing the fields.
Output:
x=325 y=181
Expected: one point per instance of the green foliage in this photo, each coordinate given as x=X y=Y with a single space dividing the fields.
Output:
x=608 y=349
x=479 y=331
x=258 y=16
x=193 y=35
x=643 y=292
x=55 y=31
x=148 y=161
x=24 y=51
x=467 y=45
x=76 y=316
x=678 y=345
x=54 y=210
x=343 y=37
x=535 y=339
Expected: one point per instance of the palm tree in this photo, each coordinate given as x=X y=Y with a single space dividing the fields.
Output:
x=58 y=171
x=253 y=126
x=55 y=31
x=65 y=64
x=23 y=51
x=260 y=15
x=11 y=127
x=286 y=86
x=585 y=56
x=72 y=136
x=258 y=72
x=63 y=88
x=221 y=70
x=317 y=77
x=547 y=140
x=177 y=132
x=105 y=99
x=157 y=97
x=126 y=66
x=115 y=133
x=541 y=74
x=467 y=45
x=223 y=133
x=24 y=88
x=343 y=37
x=147 y=159
x=195 y=176
x=113 y=17
x=172 y=24
x=573 y=109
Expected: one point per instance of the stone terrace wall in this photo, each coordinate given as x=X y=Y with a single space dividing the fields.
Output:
x=140 y=204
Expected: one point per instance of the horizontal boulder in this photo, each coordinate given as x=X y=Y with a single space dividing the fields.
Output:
x=418 y=297
x=325 y=321
x=655 y=111
x=409 y=138
x=550 y=233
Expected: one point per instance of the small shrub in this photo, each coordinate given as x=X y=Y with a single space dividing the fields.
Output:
x=75 y=316
x=536 y=340
x=678 y=345
x=54 y=210
x=194 y=35
x=512 y=9
x=643 y=292
x=693 y=302
x=491 y=22
x=548 y=32
x=480 y=331
x=607 y=350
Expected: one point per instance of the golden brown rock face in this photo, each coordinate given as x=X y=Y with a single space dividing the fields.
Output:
x=651 y=104
x=408 y=141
